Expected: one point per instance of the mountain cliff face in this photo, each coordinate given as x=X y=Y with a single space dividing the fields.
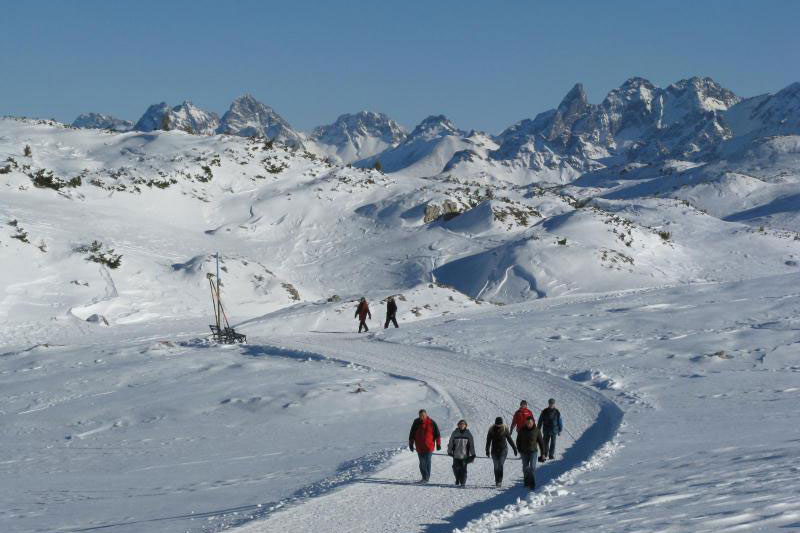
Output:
x=357 y=136
x=184 y=117
x=101 y=122
x=247 y=117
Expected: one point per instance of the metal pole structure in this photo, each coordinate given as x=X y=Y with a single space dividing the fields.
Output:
x=213 y=299
x=219 y=295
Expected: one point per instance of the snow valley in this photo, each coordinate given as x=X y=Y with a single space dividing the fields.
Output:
x=637 y=259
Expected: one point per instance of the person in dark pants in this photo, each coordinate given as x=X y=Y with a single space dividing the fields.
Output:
x=391 y=312
x=462 y=449
x=424 y=433
x=551 y=426
x=497 y=449
x=528 y=438
x=362 y=312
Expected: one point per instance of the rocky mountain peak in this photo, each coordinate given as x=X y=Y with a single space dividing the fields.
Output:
x=356 y=136
x=434 y=126
x=702 y=94
x=101 y=121
x=574 y=102
x=247 y=117
x=361 y=124
x=573 y=107
x=185 y=117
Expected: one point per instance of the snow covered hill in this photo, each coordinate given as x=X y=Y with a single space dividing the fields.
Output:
x=428 y=149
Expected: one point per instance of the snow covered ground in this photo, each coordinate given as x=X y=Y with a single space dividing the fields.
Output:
x=666 y=325
x=705 y=381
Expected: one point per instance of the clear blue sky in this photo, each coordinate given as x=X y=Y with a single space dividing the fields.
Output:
x=485 y=65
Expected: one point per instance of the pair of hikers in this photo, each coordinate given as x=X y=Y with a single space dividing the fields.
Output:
x=362 y=312
x=529 y=437
x=550 y=423
x=425 y=433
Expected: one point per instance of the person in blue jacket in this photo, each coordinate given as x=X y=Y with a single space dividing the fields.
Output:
x=551 y=426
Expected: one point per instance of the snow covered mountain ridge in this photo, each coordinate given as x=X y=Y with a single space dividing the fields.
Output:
x=692 y=119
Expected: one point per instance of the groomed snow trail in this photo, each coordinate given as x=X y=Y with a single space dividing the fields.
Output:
x=475 y=389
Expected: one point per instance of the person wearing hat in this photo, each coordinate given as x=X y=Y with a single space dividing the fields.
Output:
x=551 y=426
x=462 y=449
x=497 y=449
x=528 y=438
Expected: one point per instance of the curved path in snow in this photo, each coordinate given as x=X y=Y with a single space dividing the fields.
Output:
x=478 y=390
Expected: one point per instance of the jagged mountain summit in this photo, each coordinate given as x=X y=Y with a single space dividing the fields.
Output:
x=247 y=117
x=637 y=121
x=185 y=117
x=355 y=136
x=101 y=122
x=433 y=127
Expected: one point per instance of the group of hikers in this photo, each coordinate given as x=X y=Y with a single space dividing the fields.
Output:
x=362 y=312
x=424 y=436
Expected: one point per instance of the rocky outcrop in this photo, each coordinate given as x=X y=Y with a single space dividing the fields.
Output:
x=446 y=210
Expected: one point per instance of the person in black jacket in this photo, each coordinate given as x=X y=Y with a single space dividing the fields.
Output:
x=391 y=312
x=551 y=426
x=497 y=449
x=528 y=438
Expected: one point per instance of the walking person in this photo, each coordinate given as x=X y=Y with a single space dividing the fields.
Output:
x=362 y=312
x=391 y=312
x=424 y=433
x=528 y=438
x=462 y=449
x=497 y=441
x=520 y=416
x=551 y=426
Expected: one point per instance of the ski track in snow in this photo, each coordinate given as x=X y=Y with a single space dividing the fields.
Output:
x=390 y=499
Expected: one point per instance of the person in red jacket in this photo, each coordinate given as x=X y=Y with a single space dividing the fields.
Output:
x=362 y=312
x=424 y=433
x=520 y=417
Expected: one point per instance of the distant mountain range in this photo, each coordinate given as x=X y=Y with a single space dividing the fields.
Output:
x=694 y=119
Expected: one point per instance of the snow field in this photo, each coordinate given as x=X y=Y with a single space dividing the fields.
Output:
x=159 y=435
x=141 y=425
